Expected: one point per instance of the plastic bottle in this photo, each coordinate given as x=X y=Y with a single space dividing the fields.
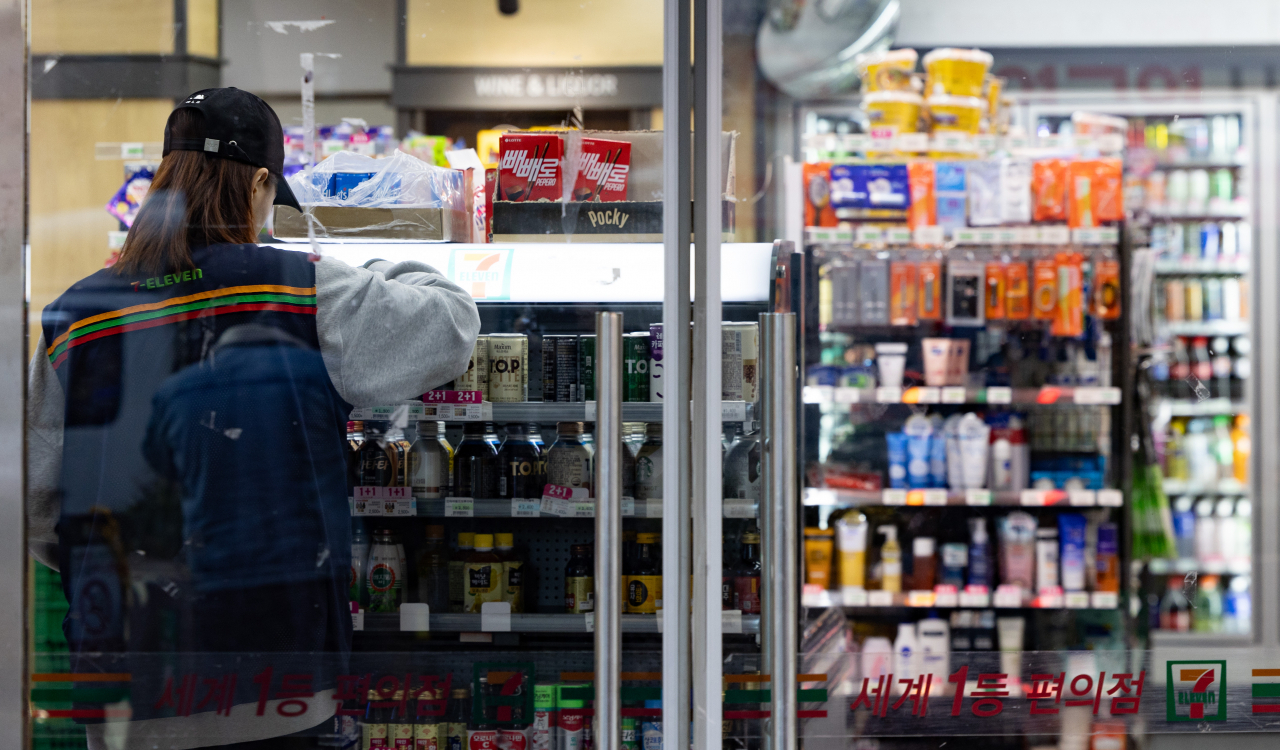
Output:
x=1002 y=463
x=890 y=560
x=482 y=575
x=980 y=569
x=1223 y=448
x=906 y=655
x=569 y=720
x=1175 y=610
x=1207 y=616
x=1175 y=451
x=934 y=638
x=1242 y=446
x=1239 y=604
x=1020 y=454
x=651 y=728
x=456 y=723
x=544 y=713
x=1206 y=532
x=359 y=559
x=1241 y=551
x=513 y=570
x=433 y=570
x=1107 y=558
x=457 y=587
x=924 y=563
x=877 y=658
x=1184 y=527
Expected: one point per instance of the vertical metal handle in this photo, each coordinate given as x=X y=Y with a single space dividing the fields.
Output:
x=608 y=488
x=779 y=518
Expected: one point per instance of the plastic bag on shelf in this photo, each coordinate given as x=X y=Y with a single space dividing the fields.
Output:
x=400 y=180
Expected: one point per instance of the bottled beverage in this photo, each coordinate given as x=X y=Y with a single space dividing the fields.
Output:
x=482 y=575
x=374 y=731
x=400 y=447
x=1201 y=363
x=359 y=558
x=433 y=570
x=579 y=581
x=569 y=459
x=457 y=578
x=1242 y=446
x=642 y=579
x=1184 y=527
x=524 y=470
x=1223 y=449
x=1175 y=451
x=628 y=470
x=385 y=578
x=570 y=719
x=1175 y=300
x=924 y=563
x=1213 y=299
x=1107 y=558
x=513 y=571
x=1179 y=369
x=429 y=732
x=514 y=736
x=746 y=581
x=1220 y=350
x=457 y=719
x=1175 y=610
x=649 y=464
x=1206 y=532
x=429 y=459
x=1240 y=369
x=1195 y=299
x=481 y=734
x=1239 y=604
x=475 y=462
x=651 y=728
x=379 y=458
x=544 y=717
x=1207 y=617
x=400 y=729
x=742 y=467
x=355 y=437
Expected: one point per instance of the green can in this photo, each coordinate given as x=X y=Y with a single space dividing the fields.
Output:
x=635 y=367
x=587 y=367
x=630 y=730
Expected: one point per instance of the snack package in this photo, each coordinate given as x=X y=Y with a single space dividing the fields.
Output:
x=889 y=70
x=1049 y=190
x=1106 y=285
x=959 y=72
x=869 y=186
x=949 y=184
x=1015 y=191
x=602 y=173
x=399 y=180
x=1068 y=319
x=924 y=201
x=1017 y=291
x=128 y=199
x=529 y=168
x=983 y=178
x=902 y=293
x=1080 y=178
x=1108 y=190
x=818 y=211
x=929 y=291
x=1044 y=291
x=994 y=291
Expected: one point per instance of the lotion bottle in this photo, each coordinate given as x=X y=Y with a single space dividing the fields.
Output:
x=890 y=560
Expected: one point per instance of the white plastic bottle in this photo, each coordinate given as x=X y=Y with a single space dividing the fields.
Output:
x=877 y=658
x=1206 y=532
x=906 y=656
x=934 y=637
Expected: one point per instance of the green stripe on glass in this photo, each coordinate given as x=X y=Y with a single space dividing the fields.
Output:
x=1266 y=690
x=748 y=696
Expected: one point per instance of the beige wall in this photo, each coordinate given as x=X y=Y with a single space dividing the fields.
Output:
x=101 y=26
x=70 y=189
x=202 y=28
x=545 y=32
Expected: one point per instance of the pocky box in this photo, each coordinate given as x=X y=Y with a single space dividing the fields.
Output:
x=603 y=170
x=529 y=169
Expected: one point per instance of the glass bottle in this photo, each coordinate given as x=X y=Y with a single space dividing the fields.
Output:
x=642 y=578
x=513 y=570
x=579 y=581
x=433 y=570
x=746 y=581
x=475 y=463
x=429 y=459
x=524 y=469
x=569 y=459
x=1175 y=610
x=456 y=722
x=649 y=464
x=378 y=458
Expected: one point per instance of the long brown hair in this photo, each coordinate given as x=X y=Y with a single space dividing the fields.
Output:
x=195 y=199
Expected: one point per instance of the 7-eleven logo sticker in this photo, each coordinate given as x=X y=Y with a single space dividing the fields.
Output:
x=484 y=273
x=1196 y=690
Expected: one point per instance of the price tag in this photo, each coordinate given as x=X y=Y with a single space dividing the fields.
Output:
x=459 y=507
x=1050 y=599
x=935 y=497
x=1007 y=597
x=977 y=497
x=999 y=395
x=628 y=506
x=482 y=412
x=975 y=596
x=964 y=236
x=730 y=621
x=887 y=395
x=928 y=395
x=452 y=397
x=357 y=616
x=1077 y=600
x=920 y=599
x=987 y=236
x=928 y=235
x=913 y=141
x=898 y=235
x=819 y=394
x=1110 y=498
x=1105 y=599
x=915 y=497
x=986 y=142
x=495 y=617
x=953 y=395
x=737 y=508
x=1057 y=234
x=131 y=150
x=415 y=617
x=582 y=510
x=847 y=395
x=867 y=235
x=853 y=596
x=1008 y=236
x=945 y=596
x=879 y=598
x=1031 y=498
x=1082 y=498
x=893 y=497
x=589 y=622
x=526 y=508
x=733 y=411
x=558 y=492
x=364 y=502
x=653 y=507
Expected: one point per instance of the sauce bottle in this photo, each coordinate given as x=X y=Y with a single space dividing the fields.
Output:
x=746 y=582
x=482 y=575
x=579 y=581
x=512 y=572
x=457 y=587
x=642 y=581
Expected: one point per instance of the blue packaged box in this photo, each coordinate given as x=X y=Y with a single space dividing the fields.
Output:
x=951 y=187
x=869 y=186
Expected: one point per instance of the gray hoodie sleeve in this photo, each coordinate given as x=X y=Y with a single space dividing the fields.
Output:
x=45 y=409
x=390 y=332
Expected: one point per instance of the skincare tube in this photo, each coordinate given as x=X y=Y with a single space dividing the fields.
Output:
x=974 y=434
x=918 y=430
x=891 y=359
x=1009 y=635
x=897 y=459
x=937 y=353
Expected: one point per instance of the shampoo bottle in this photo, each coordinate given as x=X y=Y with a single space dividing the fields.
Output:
x=906 y=656
x=933 y=636
x=890 y=560
x=979 y=553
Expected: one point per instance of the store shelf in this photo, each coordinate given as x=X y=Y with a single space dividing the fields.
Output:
x=1208 y=408
x=533 y=411
x=1161 y=566
x=1201 y=267
x=468 y=508
x=883 y=601
x=1198 y=164
x=1226 y=213
x=828 y=497
x=1174 y=639
x=1225 y=487
x=450 y=622
x=825 y=394
x=1204 y=327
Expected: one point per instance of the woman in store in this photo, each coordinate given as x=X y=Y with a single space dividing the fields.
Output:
x=186 y=441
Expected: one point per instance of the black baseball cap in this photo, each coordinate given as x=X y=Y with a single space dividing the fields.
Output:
x=235 y=125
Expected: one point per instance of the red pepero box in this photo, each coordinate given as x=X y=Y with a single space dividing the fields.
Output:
x=603 y=170
x=529 y=167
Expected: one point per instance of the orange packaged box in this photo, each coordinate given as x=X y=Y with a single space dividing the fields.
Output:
x=1044 y=292
x=902 y=293
x=818 y=211
x=1017 y=291
x=995 y=289
x=1068 y=318
x=930 y=290
x=923 y=211
x=1049 y=190
x=1106 y=285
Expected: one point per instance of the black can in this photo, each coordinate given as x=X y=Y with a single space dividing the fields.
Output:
x=560 y=368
